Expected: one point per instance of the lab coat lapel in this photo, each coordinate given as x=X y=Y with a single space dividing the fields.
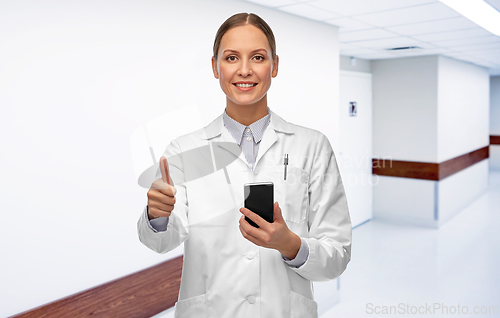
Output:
x=270 y=136
x=227 y=142
x=218 y=134
x=268 y=140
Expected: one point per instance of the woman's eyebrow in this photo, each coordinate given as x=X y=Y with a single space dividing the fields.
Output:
x=235 y=51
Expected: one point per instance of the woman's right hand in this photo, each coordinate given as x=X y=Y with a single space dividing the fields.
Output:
x=161 y=195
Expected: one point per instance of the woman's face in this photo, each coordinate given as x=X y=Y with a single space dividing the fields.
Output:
x=244 y=65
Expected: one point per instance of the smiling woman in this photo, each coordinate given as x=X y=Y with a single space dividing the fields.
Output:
x=231 y=268
x=245 y=73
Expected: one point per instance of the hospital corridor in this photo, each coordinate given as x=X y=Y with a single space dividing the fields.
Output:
x=136 y=135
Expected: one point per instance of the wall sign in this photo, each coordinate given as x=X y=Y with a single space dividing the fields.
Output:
x=353 y=108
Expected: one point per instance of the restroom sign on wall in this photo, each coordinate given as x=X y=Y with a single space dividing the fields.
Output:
x=353 y=108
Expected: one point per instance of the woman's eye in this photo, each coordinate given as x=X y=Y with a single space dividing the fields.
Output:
x=233 y=58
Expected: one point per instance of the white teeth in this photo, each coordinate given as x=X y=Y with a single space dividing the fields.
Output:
x=244 y=85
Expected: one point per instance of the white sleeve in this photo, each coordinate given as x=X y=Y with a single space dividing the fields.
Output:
x=301 y=256
x=177 y=227
x=329 y=222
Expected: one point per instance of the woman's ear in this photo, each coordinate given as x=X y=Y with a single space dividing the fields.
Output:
x=275 y=66
x=214 y=68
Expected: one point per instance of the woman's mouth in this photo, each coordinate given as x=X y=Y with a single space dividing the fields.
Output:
x=245 y=86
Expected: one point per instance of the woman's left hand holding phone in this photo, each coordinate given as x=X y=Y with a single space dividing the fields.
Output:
x=274 y=235
x=161 y=195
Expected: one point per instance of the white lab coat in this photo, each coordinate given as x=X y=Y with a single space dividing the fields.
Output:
x=225 y=275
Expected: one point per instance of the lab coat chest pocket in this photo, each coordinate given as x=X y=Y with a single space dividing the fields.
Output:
x=291 y=194
x=302 y=307
x=191 y=307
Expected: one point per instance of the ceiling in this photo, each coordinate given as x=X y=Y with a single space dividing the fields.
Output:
x=369 y=28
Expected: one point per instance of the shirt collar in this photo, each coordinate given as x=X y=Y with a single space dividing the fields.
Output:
x=237 y=129
x=214 y=129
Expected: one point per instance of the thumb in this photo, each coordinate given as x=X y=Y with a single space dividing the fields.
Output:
x=165 y=173
x=277 y=213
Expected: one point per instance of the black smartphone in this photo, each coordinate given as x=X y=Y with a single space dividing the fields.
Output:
x=259 y=198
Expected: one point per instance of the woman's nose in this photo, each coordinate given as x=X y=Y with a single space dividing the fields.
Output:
x=245 y=69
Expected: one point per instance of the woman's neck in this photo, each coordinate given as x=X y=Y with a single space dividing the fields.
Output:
x=247 y=114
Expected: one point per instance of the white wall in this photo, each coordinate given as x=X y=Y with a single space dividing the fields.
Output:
x=428 y=109
x=405 y=108
x=495 y=105
x=460 y=189
x=463 y=108
x=78 y=79
x=495 y=120
x=495 y=157
x=404 y=200
x=360 y=65
x=425 y=202
x=463 y=118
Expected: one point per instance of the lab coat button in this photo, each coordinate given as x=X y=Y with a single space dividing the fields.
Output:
x=250 y=255
x=251 y=299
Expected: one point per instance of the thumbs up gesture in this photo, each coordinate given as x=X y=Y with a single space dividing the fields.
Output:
x=161 y=195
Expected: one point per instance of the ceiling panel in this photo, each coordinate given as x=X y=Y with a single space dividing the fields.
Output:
x=368 y=27
x=347 y=46
x=348 y=24
x=415 y=14
x=365 y=35
x=377 y=56
x=434 y=26
x=494 y=3
x=469 y=41
x=400 y=41
x=478 y=47
x=486 y=54
x=453 y=54
x=417 y=52
x=305 y=10
x=356 y=7
x=359 y=51
x=452 y=35
x=490 y=52
x=273 y=3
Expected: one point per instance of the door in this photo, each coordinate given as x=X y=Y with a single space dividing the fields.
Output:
x=356 y=143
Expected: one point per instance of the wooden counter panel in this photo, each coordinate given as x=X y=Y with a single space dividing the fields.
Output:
x=139 y=295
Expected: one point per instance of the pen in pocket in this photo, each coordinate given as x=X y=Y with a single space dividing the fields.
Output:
x=285 y=164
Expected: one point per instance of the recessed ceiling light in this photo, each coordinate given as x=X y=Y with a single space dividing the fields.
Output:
x=478 y=12
x=404 y=48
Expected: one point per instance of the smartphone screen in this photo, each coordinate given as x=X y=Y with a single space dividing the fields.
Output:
x=259 y=198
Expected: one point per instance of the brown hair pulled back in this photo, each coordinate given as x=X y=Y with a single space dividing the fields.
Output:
x=240 y=19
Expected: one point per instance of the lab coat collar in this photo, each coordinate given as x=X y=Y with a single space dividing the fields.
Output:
x=277 y=123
